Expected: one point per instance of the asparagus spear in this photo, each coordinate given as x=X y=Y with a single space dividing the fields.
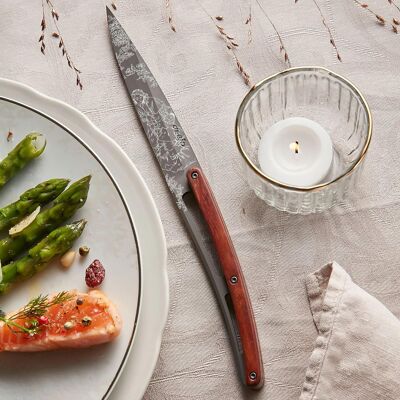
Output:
x=56 y=243
x=30 y=147
x=40 y=195
x=64 y=207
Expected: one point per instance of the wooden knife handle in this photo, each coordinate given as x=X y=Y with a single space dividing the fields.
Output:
x=233 y=275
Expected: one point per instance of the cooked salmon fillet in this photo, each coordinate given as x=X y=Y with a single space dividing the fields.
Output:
x=84 y=320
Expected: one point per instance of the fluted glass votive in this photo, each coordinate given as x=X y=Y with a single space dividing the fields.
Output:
x=319 y=95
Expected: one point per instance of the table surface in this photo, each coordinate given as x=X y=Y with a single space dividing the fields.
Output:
x=198 y=76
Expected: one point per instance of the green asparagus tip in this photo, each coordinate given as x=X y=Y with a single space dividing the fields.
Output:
x=79 y=225
x=58 y=181
x=84 y=180
x=45 y=191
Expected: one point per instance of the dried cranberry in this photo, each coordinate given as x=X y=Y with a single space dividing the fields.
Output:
x=95 y=274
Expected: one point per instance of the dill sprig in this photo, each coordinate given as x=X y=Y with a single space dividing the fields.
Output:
x=36 y=308
x=40 y=304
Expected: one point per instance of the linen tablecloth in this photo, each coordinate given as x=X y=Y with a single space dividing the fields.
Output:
x=277 y=250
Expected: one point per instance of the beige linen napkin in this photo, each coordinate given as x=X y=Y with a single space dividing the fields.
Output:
x=357 y=352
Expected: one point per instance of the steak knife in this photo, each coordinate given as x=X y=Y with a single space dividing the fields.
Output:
x=195 y=201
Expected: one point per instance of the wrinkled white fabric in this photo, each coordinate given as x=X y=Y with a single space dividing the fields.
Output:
x=357 y=352
x=199 y=78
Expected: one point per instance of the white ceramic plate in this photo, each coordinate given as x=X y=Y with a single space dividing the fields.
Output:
x=118 y=201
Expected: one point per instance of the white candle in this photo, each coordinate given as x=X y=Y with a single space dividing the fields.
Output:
x=296 y=151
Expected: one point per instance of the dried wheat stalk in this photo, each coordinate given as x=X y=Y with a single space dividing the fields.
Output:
x=249 y=23
x=393 y=3
x=379 y=18
x=325 y=23
x=57 y=34
x=168 y=9
x=282 y=45
x=43 y=30
x=231 y=45
x=395 y=21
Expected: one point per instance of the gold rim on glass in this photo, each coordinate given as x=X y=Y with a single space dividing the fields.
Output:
x=286 y=72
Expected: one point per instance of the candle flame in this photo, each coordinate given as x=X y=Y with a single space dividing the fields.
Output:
x=295 y=147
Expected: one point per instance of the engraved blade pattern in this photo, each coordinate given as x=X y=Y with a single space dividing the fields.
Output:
x=162 y=128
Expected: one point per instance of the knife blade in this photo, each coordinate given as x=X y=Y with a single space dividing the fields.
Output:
x=196 y=202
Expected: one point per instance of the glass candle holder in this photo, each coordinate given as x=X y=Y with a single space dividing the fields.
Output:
x=324 y=97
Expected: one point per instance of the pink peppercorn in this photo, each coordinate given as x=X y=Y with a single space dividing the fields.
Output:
x=43 y=320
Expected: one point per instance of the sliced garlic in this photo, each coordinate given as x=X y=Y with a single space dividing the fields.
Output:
x=68 y=258
x=24 y=223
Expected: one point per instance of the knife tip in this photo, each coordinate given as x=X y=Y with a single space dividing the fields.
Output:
x=109 y=12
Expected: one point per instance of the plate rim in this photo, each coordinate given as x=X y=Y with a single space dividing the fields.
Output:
x=84 y=120
x=131 y=222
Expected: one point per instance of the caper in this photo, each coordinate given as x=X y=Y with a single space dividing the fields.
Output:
x=68 y=325
x=84 y=250
x=86 y=321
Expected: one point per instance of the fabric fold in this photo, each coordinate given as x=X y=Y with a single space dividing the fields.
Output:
x=357 y=351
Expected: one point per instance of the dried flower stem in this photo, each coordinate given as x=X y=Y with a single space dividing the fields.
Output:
x=331 y=39
x=168 y=9
x=381 y=20
x=57 y=34
x=392 y=2
x=249 y=23
x=231 y=45
x=395 y=22
x=43 y=30
x=282 y=45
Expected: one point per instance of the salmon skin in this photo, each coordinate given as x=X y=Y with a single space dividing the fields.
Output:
x=84 y=320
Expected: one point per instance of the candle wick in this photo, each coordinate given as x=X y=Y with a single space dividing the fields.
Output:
x=295 y=147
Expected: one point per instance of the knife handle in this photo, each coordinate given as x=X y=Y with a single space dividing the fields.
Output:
x=233 y=275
